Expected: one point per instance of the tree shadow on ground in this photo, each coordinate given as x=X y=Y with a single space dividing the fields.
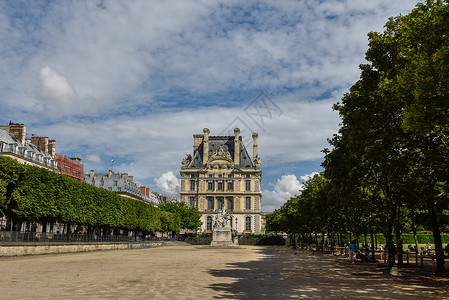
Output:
x=284 y=273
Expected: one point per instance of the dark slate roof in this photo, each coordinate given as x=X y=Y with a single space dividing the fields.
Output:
x=227 y=142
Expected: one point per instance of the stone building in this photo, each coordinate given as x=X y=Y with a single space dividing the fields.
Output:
x=36 y=151
x=221 y=173
x=121 y=183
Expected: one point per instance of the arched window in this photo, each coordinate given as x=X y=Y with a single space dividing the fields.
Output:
x=209 y=223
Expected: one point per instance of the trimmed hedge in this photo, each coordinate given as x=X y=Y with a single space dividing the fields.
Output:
x=408 y=238
x=261 y=240
x=198 y=239
x=29 y=193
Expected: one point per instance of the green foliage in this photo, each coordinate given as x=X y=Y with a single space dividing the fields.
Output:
x=388 y=164
x=35 y=194
x=189 y=217
x=170 y=221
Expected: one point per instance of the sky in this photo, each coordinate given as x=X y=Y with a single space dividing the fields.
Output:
x=133 y=81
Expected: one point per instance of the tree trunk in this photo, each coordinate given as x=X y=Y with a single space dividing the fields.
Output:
x=436 y=236
x=373 y=254
x=415 y=236
x=398 y=235
x=389 y=237
x=293 y=241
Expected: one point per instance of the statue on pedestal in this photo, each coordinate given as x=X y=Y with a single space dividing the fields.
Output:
x=222 y=218
x=222 y=236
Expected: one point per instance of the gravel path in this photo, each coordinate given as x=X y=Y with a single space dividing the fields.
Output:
x=190 y=272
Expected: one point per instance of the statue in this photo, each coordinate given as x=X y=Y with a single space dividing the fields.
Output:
x=222 y=218
x=222 y=236
x=186 y=161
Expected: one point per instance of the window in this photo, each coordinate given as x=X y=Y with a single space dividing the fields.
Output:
x=210 y=185
x=220 y=202
x=230 y=185
x=248 y=224
x=192 y=175
x=230 y=176
x=220 y=176
x=230 y=203
x=210 y=203
x=115 y=183
x=210 y=175
x=231 y=220
x=220 y=185
x=248 y=176
x=192 y=185
x=248 y=202
x=209 y=223
x=248 y=185
x=192 y=201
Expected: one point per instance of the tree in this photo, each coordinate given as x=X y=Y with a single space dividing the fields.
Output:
x=189 y=216
x=395 y=120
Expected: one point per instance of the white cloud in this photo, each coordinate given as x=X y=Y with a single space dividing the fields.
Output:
x=106 y=55
x=285 y=188
x=93 y=158
x=54 y=92
x=306 y=177
x=128 y=79
x=169 y=184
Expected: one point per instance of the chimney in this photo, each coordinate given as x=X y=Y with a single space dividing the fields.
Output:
x=51 y=148
x=236 y=146
x=197 y=139
x=41 y=142
x=92 y=173
x=110 y=173
x=19 y=132
x=255 y=136
x=131 y=178
x=206 y=146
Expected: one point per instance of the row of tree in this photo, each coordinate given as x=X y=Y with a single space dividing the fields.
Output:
x=29 y=193
x=387 y=168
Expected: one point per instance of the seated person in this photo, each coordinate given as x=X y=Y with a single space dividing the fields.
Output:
x=446 y=249
x=410 y=248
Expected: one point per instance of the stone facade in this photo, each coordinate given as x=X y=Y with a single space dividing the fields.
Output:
x=37 y=151
x=222 y=174
x=121 y=183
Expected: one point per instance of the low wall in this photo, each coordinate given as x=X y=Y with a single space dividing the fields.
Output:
x=52 y=249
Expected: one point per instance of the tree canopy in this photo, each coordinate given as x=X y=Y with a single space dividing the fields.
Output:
x=387 y=167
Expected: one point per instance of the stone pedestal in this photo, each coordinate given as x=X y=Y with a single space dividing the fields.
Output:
x=222 y=237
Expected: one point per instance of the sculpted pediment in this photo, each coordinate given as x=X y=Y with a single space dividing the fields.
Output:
x=221 y=158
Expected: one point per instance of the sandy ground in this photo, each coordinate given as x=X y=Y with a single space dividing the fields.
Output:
x=191 y=272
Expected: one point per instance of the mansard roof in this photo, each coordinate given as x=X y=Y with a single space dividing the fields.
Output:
x=227 y=143
x=7 y=137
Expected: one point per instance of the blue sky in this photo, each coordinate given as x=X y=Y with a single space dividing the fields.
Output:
x=134 y=80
